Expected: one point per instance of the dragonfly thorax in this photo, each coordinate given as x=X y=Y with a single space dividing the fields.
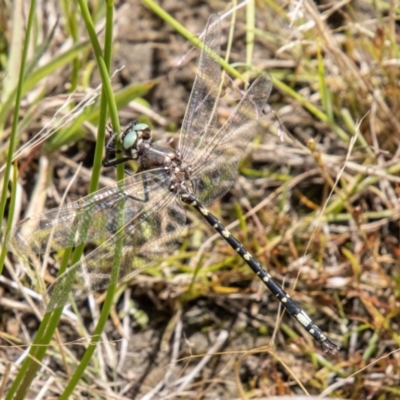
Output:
x=180 y=182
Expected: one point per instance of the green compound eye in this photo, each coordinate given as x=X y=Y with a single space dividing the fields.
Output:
x=140 y=127
x=130 y=138
x=138 y=131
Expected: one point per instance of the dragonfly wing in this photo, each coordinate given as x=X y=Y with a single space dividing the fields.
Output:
x=200 y=115
x=144 y=239
x=88 y=220
x=215 y=167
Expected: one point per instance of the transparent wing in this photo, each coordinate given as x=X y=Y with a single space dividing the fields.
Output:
x=90 y=219
x=200 y=115
x=138 y=214
x=146 y=238
x=215 y=166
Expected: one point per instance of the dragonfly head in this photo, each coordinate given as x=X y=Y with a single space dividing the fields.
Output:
x=135 y=139
x=134 y=135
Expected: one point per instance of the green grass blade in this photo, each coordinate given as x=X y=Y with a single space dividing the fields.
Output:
x=93 y=185
x=41 y=73
x=323 y=88
x=13 y=135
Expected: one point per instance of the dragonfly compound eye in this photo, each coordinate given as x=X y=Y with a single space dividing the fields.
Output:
x=130 y=139
x=138 y=131
x=143 y=131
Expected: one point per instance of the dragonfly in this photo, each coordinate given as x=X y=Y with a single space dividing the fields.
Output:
x=142 y=216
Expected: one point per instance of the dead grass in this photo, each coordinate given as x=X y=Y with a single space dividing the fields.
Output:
x=319 y=209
